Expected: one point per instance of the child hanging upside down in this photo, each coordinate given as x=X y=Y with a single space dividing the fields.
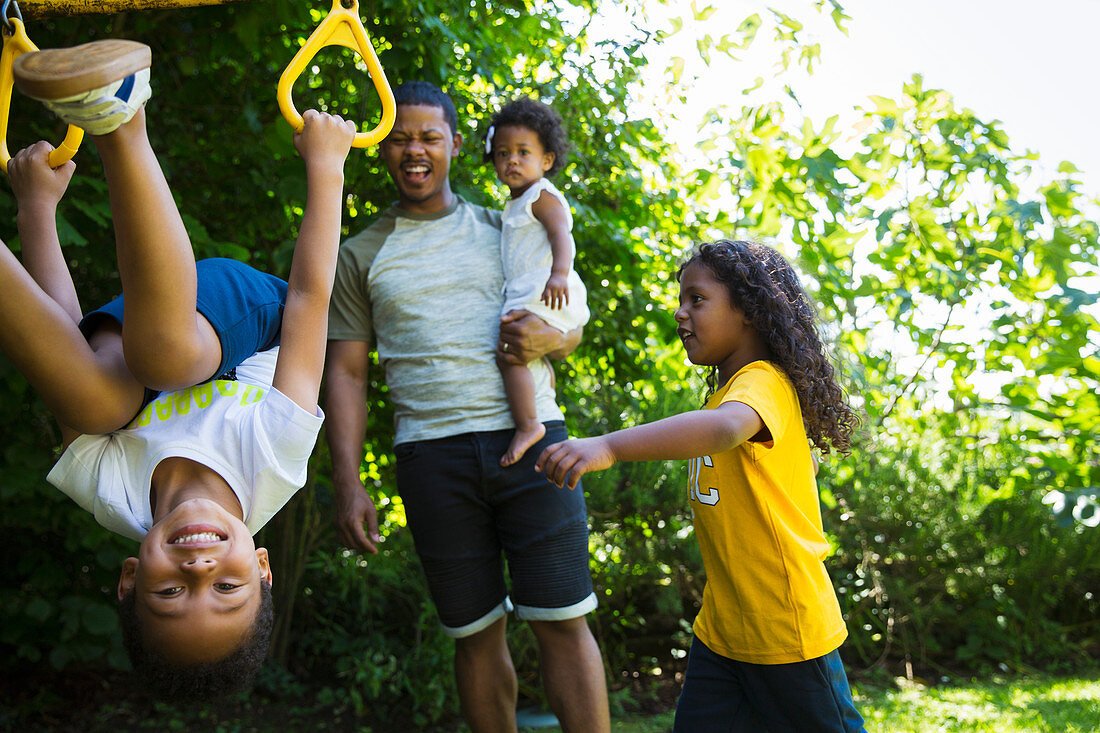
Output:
x=188 y=405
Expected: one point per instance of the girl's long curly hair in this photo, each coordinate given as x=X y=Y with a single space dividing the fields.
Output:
x=765 y=286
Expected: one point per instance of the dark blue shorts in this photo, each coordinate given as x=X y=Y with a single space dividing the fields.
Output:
x=244 y=305
x=721 y=695
x=464 y=510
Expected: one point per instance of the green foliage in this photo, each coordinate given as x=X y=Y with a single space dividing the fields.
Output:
x=369 y=638
x=957 y=283
x=937 y=565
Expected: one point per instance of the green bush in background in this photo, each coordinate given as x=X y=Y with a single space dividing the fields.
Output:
x=946 y=555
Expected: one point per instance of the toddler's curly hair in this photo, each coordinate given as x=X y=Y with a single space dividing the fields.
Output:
x=539 y=118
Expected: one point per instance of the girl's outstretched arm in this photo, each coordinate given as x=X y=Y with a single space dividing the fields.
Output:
x=680 y=437
x=324 y=143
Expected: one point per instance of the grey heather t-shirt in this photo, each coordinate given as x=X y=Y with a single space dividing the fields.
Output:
x=427 y=288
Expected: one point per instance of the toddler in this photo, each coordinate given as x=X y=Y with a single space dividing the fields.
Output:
x=526 y=143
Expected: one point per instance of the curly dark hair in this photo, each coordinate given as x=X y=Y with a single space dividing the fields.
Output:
x=765 y=286
x=428 y=95
x=539 y=118
x=169 y=681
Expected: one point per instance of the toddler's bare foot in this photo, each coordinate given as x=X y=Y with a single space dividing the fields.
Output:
x=525 y=437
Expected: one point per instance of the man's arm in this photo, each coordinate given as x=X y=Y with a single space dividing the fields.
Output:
x=324 y=143
x=346 y=428
x=524 y=337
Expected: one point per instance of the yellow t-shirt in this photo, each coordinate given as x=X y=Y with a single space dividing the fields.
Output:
x=768 y=599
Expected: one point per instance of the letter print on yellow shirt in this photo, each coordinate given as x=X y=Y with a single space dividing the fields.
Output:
x=710 y=495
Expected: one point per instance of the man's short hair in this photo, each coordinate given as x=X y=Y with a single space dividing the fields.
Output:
x=429 y=95
x=169 y=681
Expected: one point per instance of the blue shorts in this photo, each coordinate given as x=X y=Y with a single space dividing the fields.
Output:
x=464 y=509
x=722 y=695
x=244 y=305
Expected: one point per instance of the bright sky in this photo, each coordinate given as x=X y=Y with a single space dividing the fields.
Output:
x=1032 y=67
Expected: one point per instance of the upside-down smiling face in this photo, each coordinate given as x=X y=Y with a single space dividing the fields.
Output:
x=196 y=582
x=418 y=154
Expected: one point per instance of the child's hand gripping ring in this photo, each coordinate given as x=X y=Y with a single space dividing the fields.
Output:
x=16 y=43
x=342 y=27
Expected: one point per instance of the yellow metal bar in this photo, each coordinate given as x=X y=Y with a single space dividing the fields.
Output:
x=35 y=9
x=16 y=44
x=341 y=27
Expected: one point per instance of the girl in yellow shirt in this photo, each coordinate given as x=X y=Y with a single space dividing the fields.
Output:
x=764 y=655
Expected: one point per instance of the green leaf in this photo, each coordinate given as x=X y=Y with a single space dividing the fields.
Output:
x=100 y=619
x=38 y=609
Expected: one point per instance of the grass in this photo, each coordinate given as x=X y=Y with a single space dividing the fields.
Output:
x=1004 y=706
x=1032 y=703
x=1011 y=705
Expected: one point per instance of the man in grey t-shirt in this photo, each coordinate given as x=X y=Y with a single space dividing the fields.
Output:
x=424 y=284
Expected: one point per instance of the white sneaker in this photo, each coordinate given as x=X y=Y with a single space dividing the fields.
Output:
x=104 y=110
x=97 y=87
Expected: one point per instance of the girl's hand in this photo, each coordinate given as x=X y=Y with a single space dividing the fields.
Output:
x=556 y=293
x=565 y=463
x=34 y=182
x=324 y=139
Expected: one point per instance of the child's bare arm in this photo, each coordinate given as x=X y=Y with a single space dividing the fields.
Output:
x=688 y=435
x=552 y=215
x=80 y=385
x=324 y=143
x=38 y=190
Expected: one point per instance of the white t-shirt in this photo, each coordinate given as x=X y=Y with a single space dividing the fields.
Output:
x=249 y=433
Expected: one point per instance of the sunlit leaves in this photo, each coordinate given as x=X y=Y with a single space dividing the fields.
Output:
x=958 y=286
